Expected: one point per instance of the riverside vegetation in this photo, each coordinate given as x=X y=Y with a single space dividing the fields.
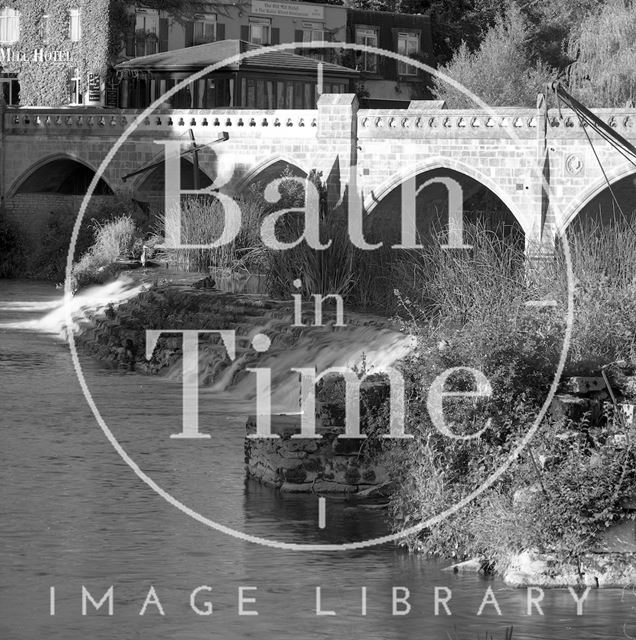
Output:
x=471 y=312
x=465 y=309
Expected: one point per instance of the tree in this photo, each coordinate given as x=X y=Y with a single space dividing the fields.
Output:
x=603 y=47
x=500 y=71
x=550 y=24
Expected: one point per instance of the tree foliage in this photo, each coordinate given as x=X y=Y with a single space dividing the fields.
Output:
x=501 y=71
x=604 y=49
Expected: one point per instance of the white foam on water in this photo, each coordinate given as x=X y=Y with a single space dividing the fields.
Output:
x=86 y=302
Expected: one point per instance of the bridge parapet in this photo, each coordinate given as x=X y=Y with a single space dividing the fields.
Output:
x=499 y=122
x=297 y=122
x=565 y=122
x=473 y=123
x=478 y=123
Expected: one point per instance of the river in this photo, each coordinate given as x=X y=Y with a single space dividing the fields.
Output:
x=75 y=515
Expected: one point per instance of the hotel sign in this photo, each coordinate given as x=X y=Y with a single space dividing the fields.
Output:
x=288 y=10
x=7 y=54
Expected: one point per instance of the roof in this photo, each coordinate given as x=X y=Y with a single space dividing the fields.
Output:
x=196 y=58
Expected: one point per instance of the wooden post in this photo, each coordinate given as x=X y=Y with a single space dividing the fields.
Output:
x=195 y=163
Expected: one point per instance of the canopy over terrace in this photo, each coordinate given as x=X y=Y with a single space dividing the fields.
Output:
x=273 y=80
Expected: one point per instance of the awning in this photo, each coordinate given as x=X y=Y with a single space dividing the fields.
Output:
x=192 y=59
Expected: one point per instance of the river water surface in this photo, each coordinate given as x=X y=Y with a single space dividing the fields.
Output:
x=75 y=515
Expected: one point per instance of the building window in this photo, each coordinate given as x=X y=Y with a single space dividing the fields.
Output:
x=367 y=61
x=408 y=44
x=313 y=32
x=75 y=25
x=10 y=89
x=260 y=30
x=44 y=28
x=76 y=88
x=9 y=25
x=205 y=30
x=146 y=39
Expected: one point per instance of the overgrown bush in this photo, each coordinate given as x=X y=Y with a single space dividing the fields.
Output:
x=470 y=311
x=203 y=222
x=324 y=271
x=113 y=239
x=49 y=260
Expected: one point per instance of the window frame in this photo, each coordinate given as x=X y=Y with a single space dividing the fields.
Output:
x=75 y=24
x=45 y=28
x=11 y=80
x=77 y=95
x=148 y=30
x=9 y=22
x=205 y=20
x=261 y=23
x=369 y=60
x=403 y=68
x=309 y=30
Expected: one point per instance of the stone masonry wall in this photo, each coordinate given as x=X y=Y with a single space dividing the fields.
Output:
x=326 y=465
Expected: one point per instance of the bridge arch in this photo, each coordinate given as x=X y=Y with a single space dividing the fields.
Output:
x=269 y=170
x=61 y=173
x=153 y=181
x=377 y=197
x=624 y=172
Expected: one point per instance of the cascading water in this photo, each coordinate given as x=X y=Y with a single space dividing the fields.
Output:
x=361 y=344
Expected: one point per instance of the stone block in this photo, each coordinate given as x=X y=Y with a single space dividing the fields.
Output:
x=368 y=475
x=352 y=475
x=293 y=487
x=346 y=446
x=296 y=475
x=325 y=486
x=584 y=384
x=286 y=463
x=565 y=406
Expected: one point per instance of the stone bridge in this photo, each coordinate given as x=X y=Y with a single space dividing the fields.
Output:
x=49 y=156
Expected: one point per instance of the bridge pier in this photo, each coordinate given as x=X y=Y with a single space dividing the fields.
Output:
x=337 y=140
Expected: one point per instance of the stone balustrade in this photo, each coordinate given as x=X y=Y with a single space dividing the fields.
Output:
x=114 y=122
x=499 y=121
